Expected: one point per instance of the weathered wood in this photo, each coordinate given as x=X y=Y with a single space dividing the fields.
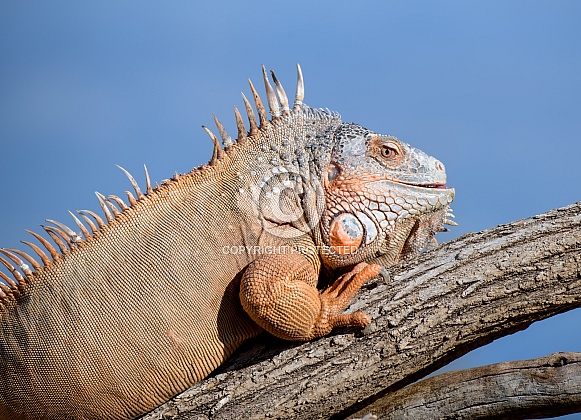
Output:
x=549 y=386
x=460 y=296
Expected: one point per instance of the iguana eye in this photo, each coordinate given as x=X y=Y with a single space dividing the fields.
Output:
x=389 y=152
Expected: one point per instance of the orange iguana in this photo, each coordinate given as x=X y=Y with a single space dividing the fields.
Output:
x=133 y=309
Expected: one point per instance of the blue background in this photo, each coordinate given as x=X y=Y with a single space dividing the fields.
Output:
x=491 y=88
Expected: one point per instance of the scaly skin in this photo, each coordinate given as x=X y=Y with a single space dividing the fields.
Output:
x=136 y=310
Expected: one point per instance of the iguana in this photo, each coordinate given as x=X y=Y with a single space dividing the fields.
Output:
x=121 y=316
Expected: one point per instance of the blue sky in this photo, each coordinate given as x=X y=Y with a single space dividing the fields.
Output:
x=491 y=88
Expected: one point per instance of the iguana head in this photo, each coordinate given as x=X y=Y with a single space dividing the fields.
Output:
x=385 y=200
x=360 y=195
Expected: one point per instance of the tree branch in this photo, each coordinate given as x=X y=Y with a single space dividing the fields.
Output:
x=460 y=296
x=545 y=387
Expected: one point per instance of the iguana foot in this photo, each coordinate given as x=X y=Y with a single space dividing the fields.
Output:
x=338 y=296
x=281 y=296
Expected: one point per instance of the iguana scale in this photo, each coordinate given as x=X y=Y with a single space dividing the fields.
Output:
x=118 y=318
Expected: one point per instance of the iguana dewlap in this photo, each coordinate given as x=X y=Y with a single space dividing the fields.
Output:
x=122 y=316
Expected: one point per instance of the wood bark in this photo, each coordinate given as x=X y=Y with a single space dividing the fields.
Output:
x=537 y=388
x=455 y=298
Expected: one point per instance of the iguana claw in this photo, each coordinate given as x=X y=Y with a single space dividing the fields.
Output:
x=384 y=274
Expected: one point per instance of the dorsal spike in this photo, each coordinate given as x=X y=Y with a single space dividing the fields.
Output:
x=270 y=96
x=284 y=107
x=300 y=95
x=148 y=189
x=251 y=117
x=218 y=152
x=55 y=233
x=88 y=220
x=239 y=125
x=24 y=267
x=130 y=198
x=226 y=139
x=15 y=273
x=5 y=290
x=134 y=184
x=112 y=206
x=27 y=257
x=61 y=233
x=8 y=291
x=81 y=226
x=114 y=210
x=51 y=249
x=95 y=216
x=118 y=201
x=101 y=199
x=74 y=236
x=43 y=257
x=263 y=119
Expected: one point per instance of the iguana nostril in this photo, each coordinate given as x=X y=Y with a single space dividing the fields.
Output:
x=440 y=166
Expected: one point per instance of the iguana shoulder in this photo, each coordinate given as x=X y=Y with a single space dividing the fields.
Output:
x=113 y=320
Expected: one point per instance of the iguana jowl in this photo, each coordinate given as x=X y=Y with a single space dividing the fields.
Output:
x=120 y=319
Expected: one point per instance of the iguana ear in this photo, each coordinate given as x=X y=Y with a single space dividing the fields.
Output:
x=333 y=171
x=348 y=232
x=345 y=234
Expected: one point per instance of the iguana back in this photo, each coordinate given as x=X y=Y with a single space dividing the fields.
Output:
x=144 y=306
x=138 y=311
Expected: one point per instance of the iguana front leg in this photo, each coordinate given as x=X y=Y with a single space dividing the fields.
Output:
x=280 y=294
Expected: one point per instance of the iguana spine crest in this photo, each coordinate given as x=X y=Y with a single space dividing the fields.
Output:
x=66 y=239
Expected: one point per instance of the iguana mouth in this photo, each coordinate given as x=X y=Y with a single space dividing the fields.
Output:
x=436 y=186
